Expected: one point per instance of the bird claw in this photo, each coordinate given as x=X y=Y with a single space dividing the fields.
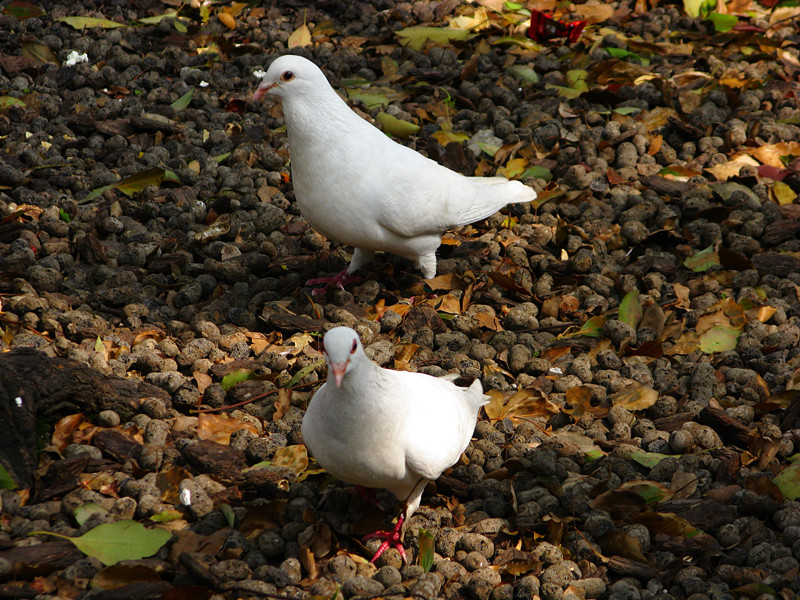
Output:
x=339 y=280
x=390 y=539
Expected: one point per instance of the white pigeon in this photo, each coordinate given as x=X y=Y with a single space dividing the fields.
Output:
x=394 y=430
x=355 y=185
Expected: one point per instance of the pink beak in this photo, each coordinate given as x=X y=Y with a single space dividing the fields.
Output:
x=262 y=91
x=338 y=370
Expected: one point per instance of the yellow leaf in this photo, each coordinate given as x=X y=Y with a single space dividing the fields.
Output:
x=227 y=20
x=294 y=457
x=514 y=168
x=731 y=168
x=476 y=22
x=783 y=194
x=300 y=37
x=444 y=137
x=635 y=397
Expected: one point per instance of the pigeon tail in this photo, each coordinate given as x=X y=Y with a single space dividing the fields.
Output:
x=476 y=396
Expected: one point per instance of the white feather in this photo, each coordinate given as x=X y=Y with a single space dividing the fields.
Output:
x=355 y=185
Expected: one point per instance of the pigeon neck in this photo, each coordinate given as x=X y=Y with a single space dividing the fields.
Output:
x=313 y=117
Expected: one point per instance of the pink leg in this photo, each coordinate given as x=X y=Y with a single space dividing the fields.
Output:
x=339 y=280
x=390 y=538
x=368 y=495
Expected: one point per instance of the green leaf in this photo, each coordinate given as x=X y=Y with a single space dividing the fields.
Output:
x=593 y=327
x=512 y=6
x=622 y=53
x=156 y=19
x=221 y=157
x=703 y=260
x=576 y=80
x=788 y=481
x=415 y=37
x=99 y=346
x=426 y=545
x=699 y=8
x=720 y=338
x=166 y=516
x=396 y=127
x=97 y=192
x=6 y=480
x=723 y=23
x=626 y=110
x=234 y=377
x=64 y=215
x=650 y=459
x=630 y=309
x=22 y=10
x=84 y=22
x=537 y=171
x=183 y=101
x=123 y=540
x=6 y=101
x=371 y=99
x=517 y=40
x=304 y=371
x=84 y=511
x=138 y=181
x=489 y=149
x=523 y=73
x=227 y=512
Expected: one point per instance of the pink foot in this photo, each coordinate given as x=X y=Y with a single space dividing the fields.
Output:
x=339 y=280
x=390 y=538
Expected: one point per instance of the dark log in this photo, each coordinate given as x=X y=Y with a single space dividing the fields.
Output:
x=41 y=559
x=36 y=390
x=729 y=429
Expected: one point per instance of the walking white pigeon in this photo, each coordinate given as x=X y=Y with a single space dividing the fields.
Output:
x=394 y=430
x=355 y=185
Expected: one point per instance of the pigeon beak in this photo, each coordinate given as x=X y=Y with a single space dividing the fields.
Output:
x=263 y=90
x=338 y=370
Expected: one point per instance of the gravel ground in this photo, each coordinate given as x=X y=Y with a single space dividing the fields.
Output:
x=632 y=450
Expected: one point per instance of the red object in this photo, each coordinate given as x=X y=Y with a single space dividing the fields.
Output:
x=545 y=28
x=390 y=538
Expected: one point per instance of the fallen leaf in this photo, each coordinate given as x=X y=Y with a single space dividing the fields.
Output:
x=630 y=309
x=415 y=37
x=702 y=260
x=300 y=37
x=122 y=540
x=635 y=397
x=294 y=457
x=720 y=338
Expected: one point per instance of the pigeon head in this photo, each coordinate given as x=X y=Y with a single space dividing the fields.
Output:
x=343 y=351
x=290 y=74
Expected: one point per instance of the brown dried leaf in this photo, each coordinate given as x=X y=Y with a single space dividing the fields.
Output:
x=218 y=428
x=282 y=404
x=203 y=381
x=64 y=429
x=527 y=403
x=635 y=397
x=617 y=542
x=403 y=354
x=294 y=457
x=683 y=484
x=666 y=523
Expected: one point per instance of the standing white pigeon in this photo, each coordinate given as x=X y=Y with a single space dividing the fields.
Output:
x=379 y=428
x=355 y=185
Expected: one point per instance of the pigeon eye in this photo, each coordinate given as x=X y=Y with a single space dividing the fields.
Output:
x=353 y=349
x=287 y=76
